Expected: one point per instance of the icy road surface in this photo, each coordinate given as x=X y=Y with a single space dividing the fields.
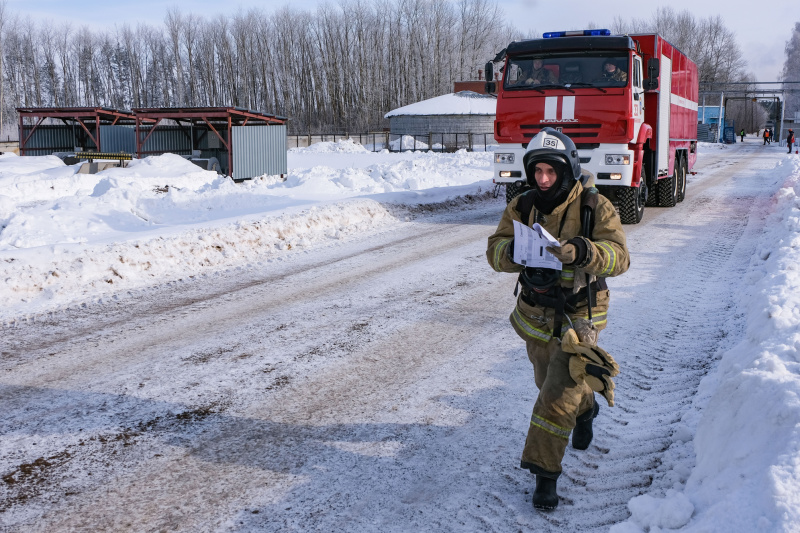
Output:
x=372 y=386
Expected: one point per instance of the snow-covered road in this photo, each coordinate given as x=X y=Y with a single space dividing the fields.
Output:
x=374 y=385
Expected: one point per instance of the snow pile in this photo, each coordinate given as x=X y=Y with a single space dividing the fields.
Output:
x=67 y=236
x=344 y=146
x=389 y=173
x=704 y=147
x=747 y=440
x=407 y=142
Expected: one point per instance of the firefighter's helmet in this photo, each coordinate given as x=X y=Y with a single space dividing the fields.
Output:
x=551 y=146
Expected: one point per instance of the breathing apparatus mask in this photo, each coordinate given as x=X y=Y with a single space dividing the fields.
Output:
x=539 y=279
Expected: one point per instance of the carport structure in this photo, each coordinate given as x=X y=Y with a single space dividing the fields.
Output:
x=246 y=142
x=95 y=129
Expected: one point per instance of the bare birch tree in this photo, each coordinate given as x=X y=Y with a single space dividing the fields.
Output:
x=791 y=72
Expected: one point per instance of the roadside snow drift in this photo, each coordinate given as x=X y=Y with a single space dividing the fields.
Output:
x=747 y=411
x=67 y=236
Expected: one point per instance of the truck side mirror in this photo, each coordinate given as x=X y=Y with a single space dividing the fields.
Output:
x=490 y=87
x=489 y=71
x=653 y=66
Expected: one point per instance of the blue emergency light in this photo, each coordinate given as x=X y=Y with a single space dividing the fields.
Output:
x=576 y=33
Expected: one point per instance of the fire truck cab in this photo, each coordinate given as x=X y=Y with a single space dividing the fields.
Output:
x=629 y=102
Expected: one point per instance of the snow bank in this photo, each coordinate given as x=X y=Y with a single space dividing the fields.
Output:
x=704 y=147
x=67 y=236
x=61 y=273
x=344 y=146
x=747 y=412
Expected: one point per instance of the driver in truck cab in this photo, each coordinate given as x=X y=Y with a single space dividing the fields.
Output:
x=537 y=75
x=613 y=73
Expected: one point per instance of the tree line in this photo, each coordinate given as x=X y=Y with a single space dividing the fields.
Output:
x=337 y=68
x=791 y=72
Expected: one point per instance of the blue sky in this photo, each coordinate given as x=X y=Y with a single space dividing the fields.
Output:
x=762 y=32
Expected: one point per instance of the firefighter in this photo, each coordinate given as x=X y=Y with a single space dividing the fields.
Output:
x=548 y=303
x=612 y=73
x=790 y=140
x=539 y=75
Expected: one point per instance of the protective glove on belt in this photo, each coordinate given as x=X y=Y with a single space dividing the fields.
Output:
x=591 y=364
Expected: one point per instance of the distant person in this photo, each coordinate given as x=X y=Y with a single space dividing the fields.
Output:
x=741 y=134
x=613 y=73
x=766 y=136
x=790 y=140
x=770 y=137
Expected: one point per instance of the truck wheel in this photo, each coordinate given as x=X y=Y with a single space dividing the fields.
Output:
x=631 y=202
x=668 y=190
x=682 y=182
x=515 y=189
x=652 y=196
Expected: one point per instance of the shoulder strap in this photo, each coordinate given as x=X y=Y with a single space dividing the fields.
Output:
x=589 y=198
x=525 y=206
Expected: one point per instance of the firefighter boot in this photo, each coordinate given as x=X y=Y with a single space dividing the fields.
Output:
x=545 y=497
x=582 y=434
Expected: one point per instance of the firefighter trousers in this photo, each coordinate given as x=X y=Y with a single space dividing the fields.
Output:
x=559 y=403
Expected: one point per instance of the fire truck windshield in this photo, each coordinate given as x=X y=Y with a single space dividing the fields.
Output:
x=597 y=69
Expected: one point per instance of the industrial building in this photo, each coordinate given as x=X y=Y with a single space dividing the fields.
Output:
x=452 y=118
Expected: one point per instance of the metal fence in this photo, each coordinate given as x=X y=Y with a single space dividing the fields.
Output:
x=707 y=133
x=393 y=142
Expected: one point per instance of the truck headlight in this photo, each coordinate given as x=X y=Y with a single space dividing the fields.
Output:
x=504 y=158
x=618 y=159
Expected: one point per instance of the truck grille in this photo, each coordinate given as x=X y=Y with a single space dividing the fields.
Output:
x=567 y=129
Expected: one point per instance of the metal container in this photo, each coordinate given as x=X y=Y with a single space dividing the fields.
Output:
x=259 y=151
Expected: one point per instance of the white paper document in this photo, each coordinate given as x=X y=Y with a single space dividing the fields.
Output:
x=530 y=244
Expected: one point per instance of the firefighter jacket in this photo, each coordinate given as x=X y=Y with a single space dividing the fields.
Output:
x=542 y=75
x=617 y=75
x=607 y=256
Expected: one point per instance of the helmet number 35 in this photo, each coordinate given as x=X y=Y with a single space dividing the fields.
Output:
x=550 y=142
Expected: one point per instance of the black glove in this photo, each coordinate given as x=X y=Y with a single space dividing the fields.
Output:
x=510 y=251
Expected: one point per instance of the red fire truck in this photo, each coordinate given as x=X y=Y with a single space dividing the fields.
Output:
x=629 y=102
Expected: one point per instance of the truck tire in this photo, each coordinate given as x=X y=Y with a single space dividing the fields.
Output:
x=515 y=189
x=631 y=202
x=668 y=191
x=682 y=182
